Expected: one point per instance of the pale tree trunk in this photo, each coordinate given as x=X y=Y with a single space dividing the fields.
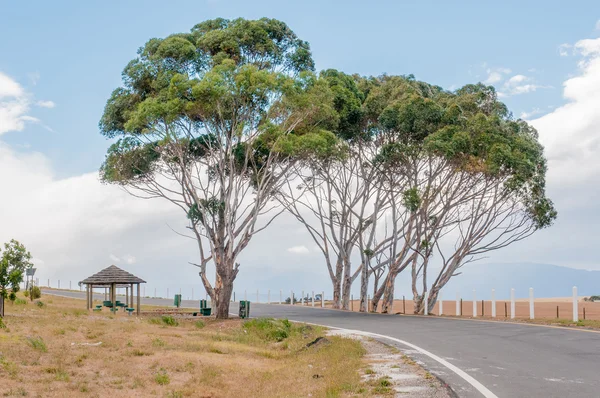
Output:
x=364 y=285
x=388 y=293
x=347 y=284
x=337 y=294
x=222 y=297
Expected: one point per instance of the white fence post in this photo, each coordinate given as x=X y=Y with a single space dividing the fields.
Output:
x=292 y=297
x=493 y=303
x=575 y=309
x=441 y=307
x=512 y=303
x=474 y=304
x=457 y=304
x=302 y=298
x=531 y=313
x=426 y=304
x=322 y=299
x=313 y=298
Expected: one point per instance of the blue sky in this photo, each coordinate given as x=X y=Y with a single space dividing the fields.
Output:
x=72 y=53
x=59 y=61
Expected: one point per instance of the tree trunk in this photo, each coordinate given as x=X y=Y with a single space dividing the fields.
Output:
x=364 y=285
x=388 y=292
x=337 y=294
x=1 y=307
x=346 y=288
x=418 y=304
x=222 y=297
x=377 y=294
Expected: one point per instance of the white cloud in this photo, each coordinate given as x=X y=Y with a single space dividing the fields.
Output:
x=298 y=250
x=533 y=112
x=15 y=104
x=114 y=258
x=519 y=84
x=563 y=49
x=46 y=104
x=495 y=75
x=571 y=133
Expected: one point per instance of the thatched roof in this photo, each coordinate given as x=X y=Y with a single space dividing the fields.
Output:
x=112 y=274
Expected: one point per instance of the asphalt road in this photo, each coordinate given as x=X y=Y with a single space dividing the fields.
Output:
x=509 y=360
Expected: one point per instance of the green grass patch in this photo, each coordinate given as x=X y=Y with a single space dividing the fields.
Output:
x=37 y=343
x=162 y=377
x=269 y=329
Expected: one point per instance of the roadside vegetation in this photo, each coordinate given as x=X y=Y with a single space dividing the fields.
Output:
x=60 y=350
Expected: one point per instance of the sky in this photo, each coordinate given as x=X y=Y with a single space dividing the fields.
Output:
x=60 y=60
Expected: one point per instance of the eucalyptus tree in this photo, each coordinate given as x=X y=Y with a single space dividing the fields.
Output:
x=475 y=175
x=213 y=121
x=14 y=261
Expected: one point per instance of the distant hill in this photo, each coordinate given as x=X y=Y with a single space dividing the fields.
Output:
x=547 y=280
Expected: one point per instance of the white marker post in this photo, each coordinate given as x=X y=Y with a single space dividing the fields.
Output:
x=575 y=309
x=441 y=307
x=457 y=304
x=302 y=298
x=291 y=297
x=493 y=303
x=531 y=313
x=313 y=298
x=512 y=303
x=426 y=304
x=322 y=299
x=474 y=304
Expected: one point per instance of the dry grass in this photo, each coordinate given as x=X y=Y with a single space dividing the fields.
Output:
x=41 y=355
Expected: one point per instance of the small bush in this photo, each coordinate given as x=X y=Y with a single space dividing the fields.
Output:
x=2 y=324
x=36 y=293
x=20 y=301
x=37 y=343
x=40 y=304
x=169 y=320
x=162 y=377
x=269 y=329
x=199 y=324
x=26 y=293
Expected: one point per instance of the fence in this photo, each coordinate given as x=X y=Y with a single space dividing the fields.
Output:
x=572 y=308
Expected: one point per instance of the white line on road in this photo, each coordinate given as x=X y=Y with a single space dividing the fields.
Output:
x=464 y=375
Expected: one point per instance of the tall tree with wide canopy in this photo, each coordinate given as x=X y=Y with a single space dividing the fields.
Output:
x=213 y=121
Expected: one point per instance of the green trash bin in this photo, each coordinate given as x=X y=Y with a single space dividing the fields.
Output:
x=177 y=301
x=244 y=309
x=203 y=304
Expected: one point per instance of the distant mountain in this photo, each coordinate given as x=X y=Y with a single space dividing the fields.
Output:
x=547 y=280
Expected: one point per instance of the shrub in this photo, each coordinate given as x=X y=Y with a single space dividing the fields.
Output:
x=269 y=329
x=199 y=324
x=39 y=304
x=169 y=320
x=37 y=343
x=2 y=324
x=26 y=293
x=36 y=293
x=162 y=377
x=20 y=301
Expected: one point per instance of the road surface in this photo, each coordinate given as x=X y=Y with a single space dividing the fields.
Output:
x=506 y=359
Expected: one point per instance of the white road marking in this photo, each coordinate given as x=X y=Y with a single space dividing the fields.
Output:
x=461 y=373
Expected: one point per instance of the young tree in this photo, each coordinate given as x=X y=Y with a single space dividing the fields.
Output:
x=213 y=121
x=14 y=260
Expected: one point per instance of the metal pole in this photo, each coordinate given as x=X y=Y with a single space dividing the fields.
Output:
x=457 y=304
x=280 y=296
x=441 y=307
x=302 y=298
x=493 y=303
x=403 y=305
x=474 y=304
x=426 y=304
x=313 y=298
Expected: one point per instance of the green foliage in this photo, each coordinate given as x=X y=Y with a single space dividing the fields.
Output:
x=199 y=324
x=161 y=377
x=40 y=304
x=411 y=199
x=36 y=293
x=37 y=343
x=20 y=301
x=14 y=260
x=269 y=329
x=2 y=324
x=169 y=320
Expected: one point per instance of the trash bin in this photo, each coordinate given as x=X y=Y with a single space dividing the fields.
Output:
x=244 y=309
x=177 y=301
x=203 y=304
